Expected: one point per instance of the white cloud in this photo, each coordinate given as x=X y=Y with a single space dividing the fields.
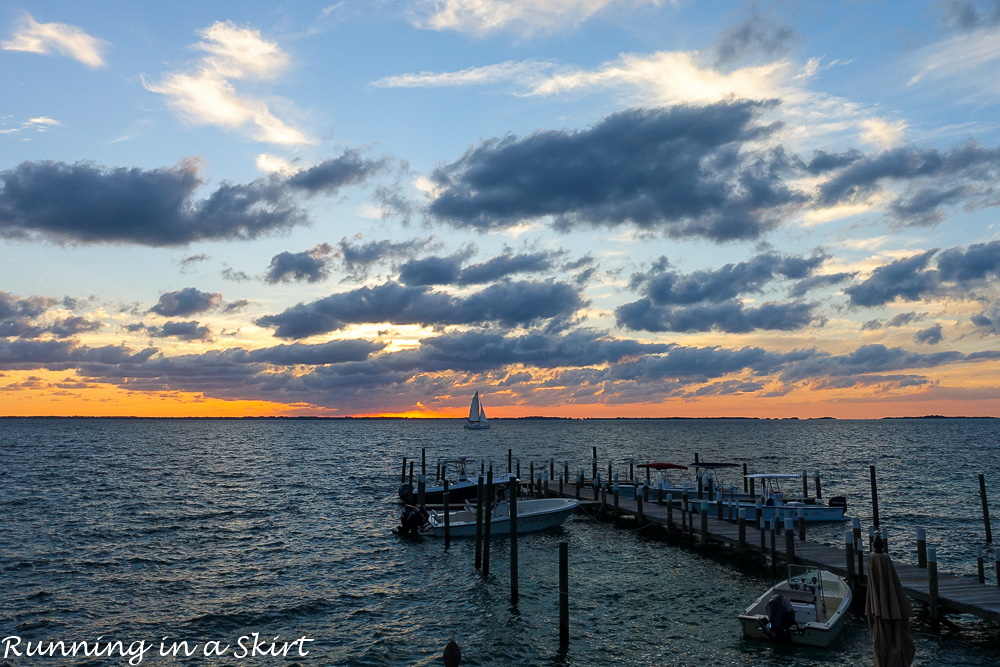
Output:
x=34 y=37
x=881 y=133
x=965 y=63
x=272 y=164
x=480 y=17
x=206 y=96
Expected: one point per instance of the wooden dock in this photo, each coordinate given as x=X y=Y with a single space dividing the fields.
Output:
x=955 y=594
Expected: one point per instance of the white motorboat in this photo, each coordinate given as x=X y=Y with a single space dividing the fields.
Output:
x=477 y=415
x=808 y=608
x=775 y=507
x=532 y=515
x=460 y=486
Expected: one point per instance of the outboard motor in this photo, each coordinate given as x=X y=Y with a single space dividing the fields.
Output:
x=781 y=619
x=839 y=501
x=405 y=490
x=411 y=520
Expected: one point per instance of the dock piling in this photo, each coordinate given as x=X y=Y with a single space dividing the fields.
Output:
x=488 y=519
x=512 y=504
x=402 y=478
x=704 y=526
x=447 y=515
x=921 y=548
x=986 y=508
x=849 y=552
x=564 y=595
x=480 y=501
x=932 y=583
x=789 y=541
x=874 y=496
x=980 y=566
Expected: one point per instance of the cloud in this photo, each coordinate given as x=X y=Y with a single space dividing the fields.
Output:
x=187 y=301
x=933 y=178
x=68 y=40
x=907 y=279
x=964 y=15
x=358 y=256
x=930 y=336
x=449 y=271
x=754 y=36
x=86 y=203
x=480 y=17
x=507 y=304
x=975 y=263
x=189 y=331
x=729 y=317
x=205 y=95
x=311 y=265
x=684 y=171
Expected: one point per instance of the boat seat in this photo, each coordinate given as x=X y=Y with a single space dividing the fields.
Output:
x=804 y=612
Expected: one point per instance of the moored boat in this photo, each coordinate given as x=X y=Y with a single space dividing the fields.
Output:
x=776 y=507
x=532 y=515
x=809 y=607
x=460 y=488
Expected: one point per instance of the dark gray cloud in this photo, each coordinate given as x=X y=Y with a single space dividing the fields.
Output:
x=507 y=304
x=907 y=279
x=975 y=263
x=87 y=203
x=729 y=317
x=930 y=336
x=449 y=271
x=329 y=176
x=665 y=287
x=187 y=301
x=358 y=256
x=811 y=283
x=865 y=360
x=431 y=271
x=934 y=178
x=181 y=330
x=684 y=171
x=823 y=162
x=332 y=352
x=504 y=266
x=73 y=326
x=965 y=15
x=310 y=265
x=756 y=35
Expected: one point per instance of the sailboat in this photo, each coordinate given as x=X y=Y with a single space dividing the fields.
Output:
x=477 y=415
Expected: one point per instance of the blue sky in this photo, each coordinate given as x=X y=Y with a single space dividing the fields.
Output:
x=582 y=207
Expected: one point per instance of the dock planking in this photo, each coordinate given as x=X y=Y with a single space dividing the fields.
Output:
x=956 y=594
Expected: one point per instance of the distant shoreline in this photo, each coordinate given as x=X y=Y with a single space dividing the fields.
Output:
x=532 y=418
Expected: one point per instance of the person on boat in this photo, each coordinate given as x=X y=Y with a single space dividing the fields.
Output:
x=452 y=656
x=412 y=520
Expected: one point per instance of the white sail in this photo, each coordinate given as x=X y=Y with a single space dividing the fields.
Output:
x=477 y=414
x=474 y=408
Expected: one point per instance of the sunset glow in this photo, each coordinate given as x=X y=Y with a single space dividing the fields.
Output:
x=598 y=209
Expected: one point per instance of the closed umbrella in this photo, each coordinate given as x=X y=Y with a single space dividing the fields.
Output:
x=888 y=611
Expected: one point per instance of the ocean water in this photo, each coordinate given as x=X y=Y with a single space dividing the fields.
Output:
x=200 y=531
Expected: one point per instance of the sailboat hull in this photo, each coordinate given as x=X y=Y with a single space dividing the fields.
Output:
x=477 y=426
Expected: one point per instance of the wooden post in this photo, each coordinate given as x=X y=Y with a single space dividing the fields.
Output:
x=774 y=552
x=758 y=507
x=517 y=471
x=531 y=477
x=742 y=531
x=402 y=478
x=611 y=473
x=447 y=518
x=763 y=545
x=645 y=490
x=594 y=463
x=480 y=501
x=745 y=489
x=638 y=507
x=561 y=480
x=488 y=519
x=805 y=485
x=885 y=540
x=710 y=483
x=849 y=550
x=802 y=524
x=874 y=496
x=932 y=583
x=704 y=526
x=789 y=541
x=579 y=482
x=615 y=491
x=980 y=568
x=421 y=490
x=552 y=468
x=564 y=595
x=648 y=475
x=423 y=461
x=512 y=504
x=819 y=493
x=510 y=455
x=566 y=471
x=996 y=557
x=921 y=548
x=986 y=508
x=684 y=514
x=670 y=513
x=859 y=549
x=753 y=493
x=597 y=486
x=631 y=470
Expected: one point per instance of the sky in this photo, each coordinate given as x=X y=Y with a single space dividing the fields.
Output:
x=578 y=208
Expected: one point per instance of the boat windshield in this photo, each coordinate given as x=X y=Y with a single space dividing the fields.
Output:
x=806 y=579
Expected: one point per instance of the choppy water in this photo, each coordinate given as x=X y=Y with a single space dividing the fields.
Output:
x=211 y=530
